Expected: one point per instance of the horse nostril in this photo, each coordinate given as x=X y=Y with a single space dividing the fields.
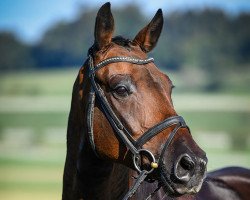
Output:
x=184 y=168
x=187 y=163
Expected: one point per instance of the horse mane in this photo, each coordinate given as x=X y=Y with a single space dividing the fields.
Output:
x=119 y=40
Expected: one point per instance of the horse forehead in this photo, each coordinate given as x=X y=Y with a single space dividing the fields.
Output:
x=115 y=50
x=131 y=50
x=148 y=73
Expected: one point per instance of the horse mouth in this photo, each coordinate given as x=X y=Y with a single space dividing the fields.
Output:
x=169 y=186
x=175 y=189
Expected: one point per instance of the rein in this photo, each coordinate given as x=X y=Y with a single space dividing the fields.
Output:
x=135 y=146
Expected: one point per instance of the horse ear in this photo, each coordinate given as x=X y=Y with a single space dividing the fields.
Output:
x=104 y=26
x=148 y=36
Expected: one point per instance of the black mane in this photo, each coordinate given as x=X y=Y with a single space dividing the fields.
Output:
x=119 y=40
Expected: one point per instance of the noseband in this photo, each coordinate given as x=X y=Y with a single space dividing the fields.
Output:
x=135 y=146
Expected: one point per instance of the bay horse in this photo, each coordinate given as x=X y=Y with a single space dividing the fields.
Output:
x=124 y=137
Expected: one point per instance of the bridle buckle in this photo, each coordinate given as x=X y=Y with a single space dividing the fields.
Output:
x=150 y=157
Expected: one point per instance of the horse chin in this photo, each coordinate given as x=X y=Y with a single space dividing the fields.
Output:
x=179 y=191
x=169 y=187
x=176 y=189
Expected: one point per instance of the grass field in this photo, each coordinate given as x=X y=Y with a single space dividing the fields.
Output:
x=34 y=108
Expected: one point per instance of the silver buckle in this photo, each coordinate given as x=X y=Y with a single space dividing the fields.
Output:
x=136 y=159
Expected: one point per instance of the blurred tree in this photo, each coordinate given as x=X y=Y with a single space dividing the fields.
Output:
x=66 y=44
x=14 y=55
x=129 y=21
x=206 y=40
x=241 y=30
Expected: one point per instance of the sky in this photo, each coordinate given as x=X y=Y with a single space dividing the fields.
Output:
x=29 y=19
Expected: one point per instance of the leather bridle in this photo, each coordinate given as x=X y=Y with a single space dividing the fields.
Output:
x=135 y=146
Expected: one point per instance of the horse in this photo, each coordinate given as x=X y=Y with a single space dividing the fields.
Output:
x=124 y=138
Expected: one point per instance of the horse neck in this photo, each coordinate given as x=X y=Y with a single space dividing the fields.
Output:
x=101 y=179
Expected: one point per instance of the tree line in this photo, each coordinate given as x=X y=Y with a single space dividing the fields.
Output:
x=207 y=39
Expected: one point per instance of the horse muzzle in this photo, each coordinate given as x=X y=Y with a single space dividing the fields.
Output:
x=186 y=176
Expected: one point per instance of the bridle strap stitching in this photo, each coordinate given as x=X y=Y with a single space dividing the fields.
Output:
x=113 y=119
x=90 y=110
x=158 y=128
x=121 y=59
x=105 y=104
x=168 y=142
x=90 y=117
x=136 y=185
x=164 y=149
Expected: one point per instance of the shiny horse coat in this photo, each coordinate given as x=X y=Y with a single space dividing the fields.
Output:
x=99 y=164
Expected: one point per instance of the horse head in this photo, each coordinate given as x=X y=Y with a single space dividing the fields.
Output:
x=127 y=110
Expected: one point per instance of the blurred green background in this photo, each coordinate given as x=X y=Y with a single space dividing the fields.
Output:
x=205 y=51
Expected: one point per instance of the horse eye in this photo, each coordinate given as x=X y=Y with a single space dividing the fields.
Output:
x=121 y=91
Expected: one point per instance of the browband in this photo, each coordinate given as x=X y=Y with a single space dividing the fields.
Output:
x=121 y=59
